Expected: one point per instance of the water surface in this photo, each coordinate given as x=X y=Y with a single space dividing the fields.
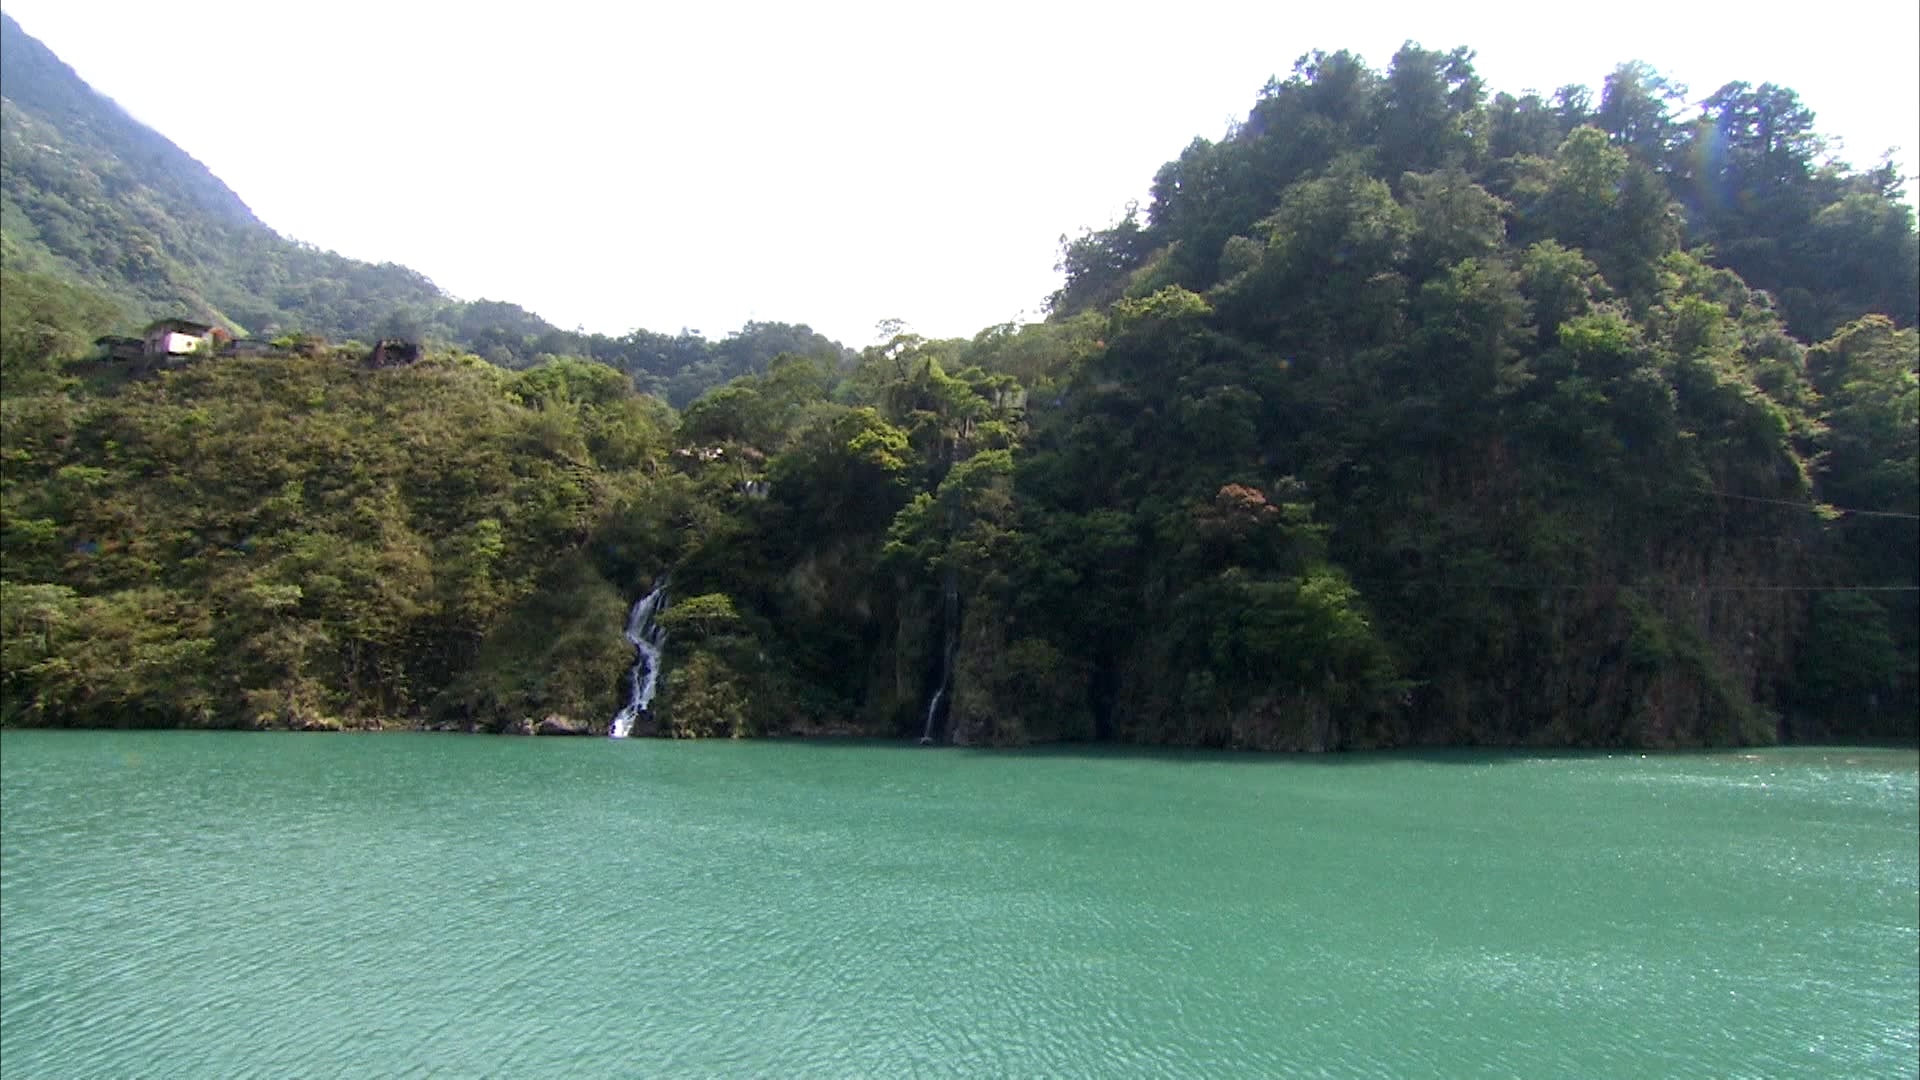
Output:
x=184 y=904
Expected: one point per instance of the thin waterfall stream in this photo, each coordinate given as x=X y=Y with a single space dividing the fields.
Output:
x=950 y=623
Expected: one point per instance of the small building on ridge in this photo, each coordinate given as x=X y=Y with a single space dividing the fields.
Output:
x=178 y=337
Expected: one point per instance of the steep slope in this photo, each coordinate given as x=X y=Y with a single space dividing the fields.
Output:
x=1540 y=370
x=93 y=195
x=1405 y=417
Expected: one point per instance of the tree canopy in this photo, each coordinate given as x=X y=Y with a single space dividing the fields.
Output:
x=1404 y=414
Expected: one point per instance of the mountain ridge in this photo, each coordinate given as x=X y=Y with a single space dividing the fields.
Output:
x=35 y=78
x=91 y=195
x=95 y=196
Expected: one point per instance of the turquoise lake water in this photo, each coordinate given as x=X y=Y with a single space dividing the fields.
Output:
x=279 y=905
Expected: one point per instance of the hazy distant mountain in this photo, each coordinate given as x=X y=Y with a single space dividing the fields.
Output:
x=91 y=194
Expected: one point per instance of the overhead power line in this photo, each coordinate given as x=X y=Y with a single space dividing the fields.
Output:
x=1806 y=505
x=1632 y=587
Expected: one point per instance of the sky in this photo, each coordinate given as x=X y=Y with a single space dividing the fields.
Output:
x=697 y=165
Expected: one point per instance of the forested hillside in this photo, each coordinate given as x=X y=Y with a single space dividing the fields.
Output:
x=92 y=196
x=1403 y=415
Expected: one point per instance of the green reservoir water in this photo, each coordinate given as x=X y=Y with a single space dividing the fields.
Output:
x=224 y=905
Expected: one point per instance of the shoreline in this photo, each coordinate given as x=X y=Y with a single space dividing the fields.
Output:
x=846 y=734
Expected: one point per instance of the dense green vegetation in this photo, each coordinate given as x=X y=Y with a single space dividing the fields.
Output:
x=89 y=194
x=1402 y=415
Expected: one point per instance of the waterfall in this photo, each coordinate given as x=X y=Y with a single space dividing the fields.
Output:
x=950 y=620
x=949 y=613
x=926 y=734
x=648 y=640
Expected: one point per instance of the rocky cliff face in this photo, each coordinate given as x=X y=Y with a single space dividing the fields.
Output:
x=1011 y=691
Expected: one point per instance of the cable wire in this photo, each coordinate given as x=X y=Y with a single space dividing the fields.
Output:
x=1631 y=587
x=1805 y=505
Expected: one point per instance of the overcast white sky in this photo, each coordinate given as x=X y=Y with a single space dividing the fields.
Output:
x=699 y=164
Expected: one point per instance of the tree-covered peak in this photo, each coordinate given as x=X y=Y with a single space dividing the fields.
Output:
x=1744 y=177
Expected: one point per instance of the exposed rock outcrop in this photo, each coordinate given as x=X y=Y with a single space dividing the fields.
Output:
x=555 y=724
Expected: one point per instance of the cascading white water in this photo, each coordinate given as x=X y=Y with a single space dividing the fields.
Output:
x=949 y=619
x=950 y=622
x=926 y=733
x=648 y=639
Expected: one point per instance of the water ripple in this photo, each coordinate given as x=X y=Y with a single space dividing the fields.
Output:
x=190 y=906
